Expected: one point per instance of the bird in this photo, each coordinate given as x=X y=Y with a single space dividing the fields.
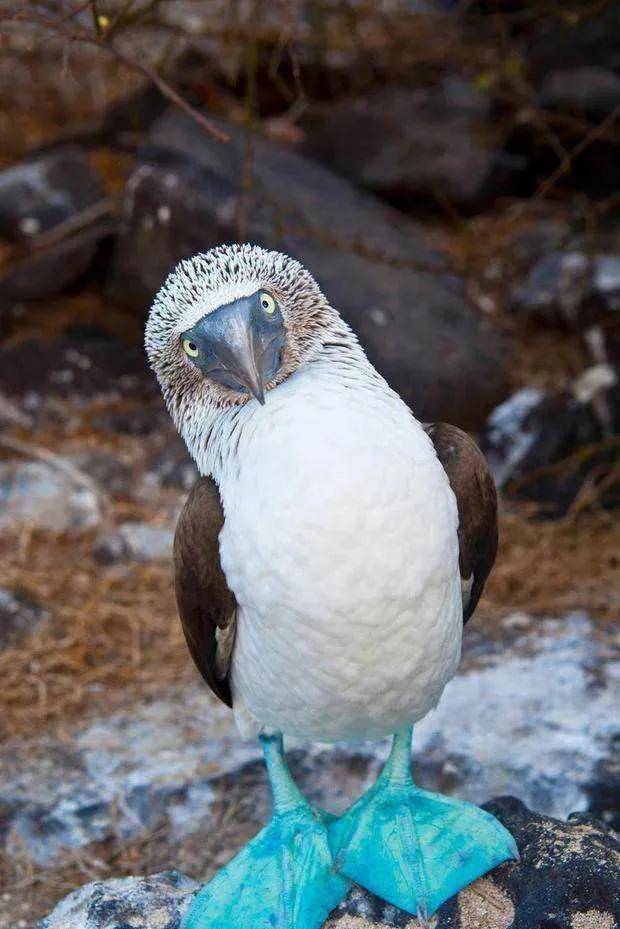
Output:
x=325 y=563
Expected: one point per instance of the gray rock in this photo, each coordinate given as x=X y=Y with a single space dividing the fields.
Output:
x=78 y=368
x=156 y=902
x=413 y=320
x=166 y=763
x=531 y=712
x=566 y=878
x=143 y=420
x=135 y=541
x=40 y=194
x=19 y=616
x=54 y=209
x=532 y=715
x=172 y=466
x=106 y=470
x=543 y=447
x=432 y=143
x=508 y=436
x=572 y=286
x=39 y=496
x=48 y=271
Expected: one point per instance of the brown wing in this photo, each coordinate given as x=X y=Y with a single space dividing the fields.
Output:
x=206 y=605
x=476 y=498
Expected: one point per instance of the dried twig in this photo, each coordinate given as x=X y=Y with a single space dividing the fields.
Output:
x=567 y=162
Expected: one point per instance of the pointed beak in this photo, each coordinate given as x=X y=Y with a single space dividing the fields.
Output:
x=239 y=347
x=238 y=350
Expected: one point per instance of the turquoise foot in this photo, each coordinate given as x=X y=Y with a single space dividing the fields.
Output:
x=413 y=848
x=283 y=879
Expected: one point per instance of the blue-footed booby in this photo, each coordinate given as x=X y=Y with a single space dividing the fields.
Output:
x=325 y=563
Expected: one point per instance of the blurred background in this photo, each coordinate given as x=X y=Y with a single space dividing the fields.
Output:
x=450 y=173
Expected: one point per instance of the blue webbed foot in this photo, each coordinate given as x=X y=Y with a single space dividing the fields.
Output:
x=285 y=877
x=414 y=848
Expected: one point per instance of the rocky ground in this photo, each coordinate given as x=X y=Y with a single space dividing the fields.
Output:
x=418 y=191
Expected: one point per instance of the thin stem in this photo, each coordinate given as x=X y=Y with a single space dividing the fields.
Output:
x=286 y=794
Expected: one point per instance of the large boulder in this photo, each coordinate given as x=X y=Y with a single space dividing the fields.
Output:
x=54 y=211
x=435 y=143
x=410 y=313
x=567 y=877
x=42 y=193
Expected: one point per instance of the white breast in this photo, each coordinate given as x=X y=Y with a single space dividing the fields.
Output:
x=340 y=544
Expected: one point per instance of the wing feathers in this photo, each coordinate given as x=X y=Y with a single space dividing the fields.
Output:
x=476 y=499
x=206 y=605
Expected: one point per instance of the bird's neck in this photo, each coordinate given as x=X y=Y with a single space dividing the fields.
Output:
x=216 y=440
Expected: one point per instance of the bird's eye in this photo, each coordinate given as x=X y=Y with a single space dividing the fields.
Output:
x=190 y=348
x=268 y=303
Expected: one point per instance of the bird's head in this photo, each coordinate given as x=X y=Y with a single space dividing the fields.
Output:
x=231 y=324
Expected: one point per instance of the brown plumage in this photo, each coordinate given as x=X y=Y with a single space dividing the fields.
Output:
x=476 y=499
x=207 y=607
x=205 y=602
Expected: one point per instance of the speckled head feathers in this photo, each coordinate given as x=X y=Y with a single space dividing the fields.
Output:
x=201 y=284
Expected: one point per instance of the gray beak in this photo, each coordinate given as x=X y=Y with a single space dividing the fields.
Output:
x=239 y=345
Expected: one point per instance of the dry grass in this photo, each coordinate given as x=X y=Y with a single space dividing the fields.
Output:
x=552 y=567
x=112 y=633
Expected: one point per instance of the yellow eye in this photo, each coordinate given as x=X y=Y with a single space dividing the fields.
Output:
x=268 y=303
x=190 y=348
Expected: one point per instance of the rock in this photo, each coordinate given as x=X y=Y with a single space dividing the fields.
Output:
x=571 y=286
x=432 y=143
x=589 y=89
x=507 y=436
x=19 y=616
x=604 y=788
x=176 y=208
x=54 y=208
x=543 y=448
x=136 y=421
x=414 y=323
x=36 y=495
x=567 y=877
x=555 y=43
x=135 y=541
x=106 y=470
x=78 y=368
x=40 y=194
x=157 y=902
x=165 y=763
x=175 y=762
x=48 y=271
x=172 y=467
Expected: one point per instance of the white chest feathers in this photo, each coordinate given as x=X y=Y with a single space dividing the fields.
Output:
x=340 y=544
